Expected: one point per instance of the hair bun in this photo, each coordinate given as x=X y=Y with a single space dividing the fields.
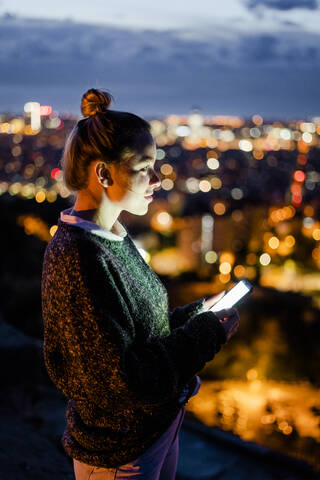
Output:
x=95 y=101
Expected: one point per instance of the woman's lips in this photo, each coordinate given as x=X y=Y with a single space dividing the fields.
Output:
x=149 y=197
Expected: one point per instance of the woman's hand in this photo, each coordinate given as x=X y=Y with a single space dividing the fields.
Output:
x=229 y=319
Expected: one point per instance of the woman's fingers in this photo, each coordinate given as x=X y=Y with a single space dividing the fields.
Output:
x=230 y=321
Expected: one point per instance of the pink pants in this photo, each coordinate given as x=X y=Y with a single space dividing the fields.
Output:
x=159 y=462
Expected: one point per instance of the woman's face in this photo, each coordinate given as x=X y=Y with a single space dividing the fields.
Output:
x=134 y=179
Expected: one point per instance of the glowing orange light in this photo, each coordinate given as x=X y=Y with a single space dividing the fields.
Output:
x=299 y=176
x=239 y=271
x=219 y=208
x=308 y=211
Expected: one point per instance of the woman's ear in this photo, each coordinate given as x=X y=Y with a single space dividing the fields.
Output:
x=103 y=174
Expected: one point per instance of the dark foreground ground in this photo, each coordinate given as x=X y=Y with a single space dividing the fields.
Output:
x=32 y=420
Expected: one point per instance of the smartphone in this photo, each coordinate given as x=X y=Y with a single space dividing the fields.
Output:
x=233 y=296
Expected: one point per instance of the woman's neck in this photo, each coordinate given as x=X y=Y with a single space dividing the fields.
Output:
x=103 y=214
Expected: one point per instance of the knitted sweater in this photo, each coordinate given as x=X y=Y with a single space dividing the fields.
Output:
x=112 y=347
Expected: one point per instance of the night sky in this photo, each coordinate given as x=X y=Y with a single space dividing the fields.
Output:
x=242 y=57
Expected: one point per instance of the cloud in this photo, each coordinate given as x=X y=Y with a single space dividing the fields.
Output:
x=56 y=61
x=283 y=4
x=31 y=44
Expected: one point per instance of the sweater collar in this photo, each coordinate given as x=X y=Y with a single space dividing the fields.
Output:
x=117 y=233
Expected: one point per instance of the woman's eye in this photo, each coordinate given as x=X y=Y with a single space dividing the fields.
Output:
x=144 y=169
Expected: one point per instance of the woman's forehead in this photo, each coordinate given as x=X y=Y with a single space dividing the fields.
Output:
x=140 y=150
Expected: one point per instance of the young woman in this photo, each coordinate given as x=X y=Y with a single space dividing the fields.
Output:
x=125 y=363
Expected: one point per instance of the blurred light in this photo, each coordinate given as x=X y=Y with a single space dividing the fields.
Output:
x=285 y=134
x=64 y=192
x=39 y=161
x=308 y=211
x=236 y=193
x=16 y=151
x=316 y=233
x=207 y=222
x=302 y=159
x=17 y=126
x=227 y=257
x=167 y=184
x=257 y=119
x=299 y=176
x=213 y=163
x=212 y=154
x=307 y=127
x=55 y=173
x=265 y=259
x=295 y=189
x=54 y=123
x=290 y=241
x=216 y=183
x=183 y=131
x=307 y=137
x=255 y=132
x=166 y=169
x=17 y=138
x=252 y=374
x=40 y=196
x=211 y=256
x=3 y=187
x=227 y=135
x=164 y=218
x=273 y=242
x=14 y=188
x=245 y=145
x=239 y=271
x=219 y=208
x=224 y=278
x=316 y=253
x=308 y=222
x=192 y=185
x=53 y=230
x=287 y=430
x=160 y=154
x=258 y=154
x=34 y=109
x=175 y=152
x=45 y=110
x=28 y=190
x=237 y=215
x=225 y=268
x=310 y=185
x=51 y=196
x=204 y=186
x=40 y=182
x=268 y=419
x=296 y=200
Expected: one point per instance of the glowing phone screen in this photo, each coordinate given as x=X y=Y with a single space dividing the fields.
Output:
x=232 y=297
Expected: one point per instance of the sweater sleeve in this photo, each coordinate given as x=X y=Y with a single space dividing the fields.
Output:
x=180 y=315
x=95 y=336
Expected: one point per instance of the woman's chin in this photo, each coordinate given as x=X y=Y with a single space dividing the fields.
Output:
x=141 y=211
